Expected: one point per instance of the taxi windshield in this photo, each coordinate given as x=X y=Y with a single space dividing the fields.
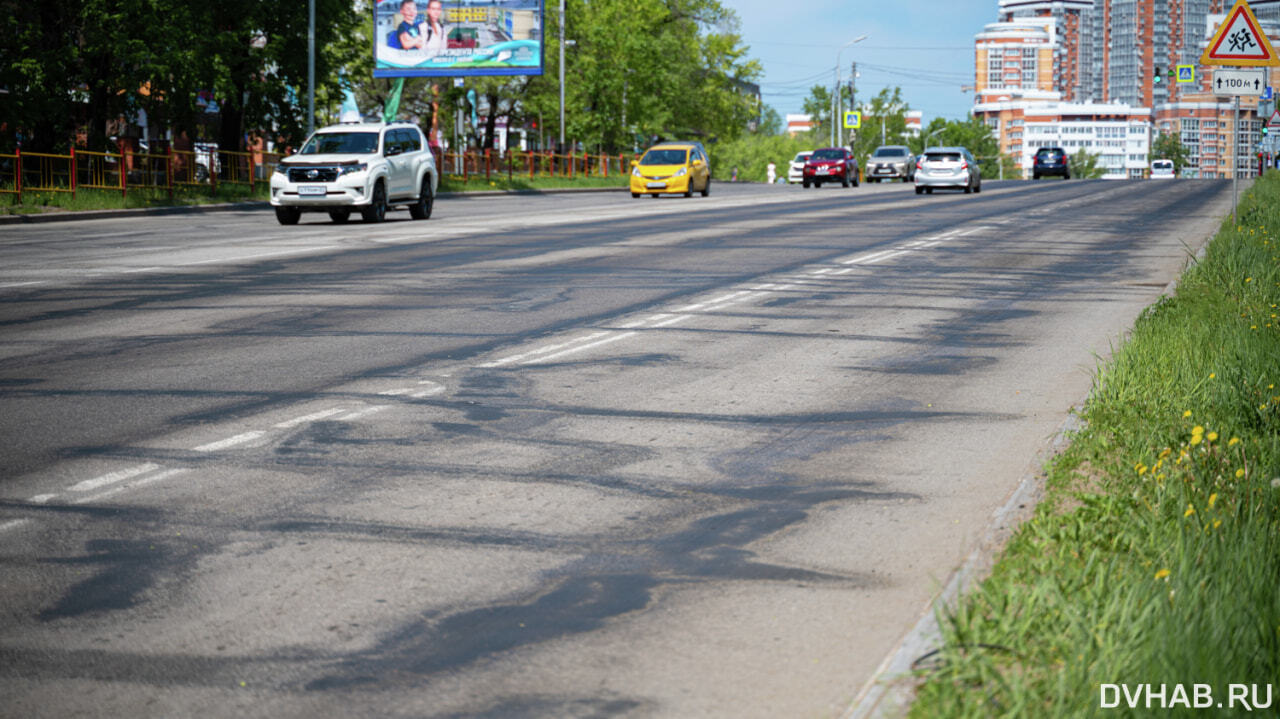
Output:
x=664 y=157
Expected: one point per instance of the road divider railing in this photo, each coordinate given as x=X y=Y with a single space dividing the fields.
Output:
x=531 y=164
x=26 y=172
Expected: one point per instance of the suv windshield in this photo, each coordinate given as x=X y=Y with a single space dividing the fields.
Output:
x=335 y=143
x=827 y=155
x=664 y=157
x=890 y=152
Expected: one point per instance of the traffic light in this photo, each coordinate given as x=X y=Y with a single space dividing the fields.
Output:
x=1157 y=75
x=1265 y=130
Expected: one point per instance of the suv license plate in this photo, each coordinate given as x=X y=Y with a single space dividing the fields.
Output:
x=312 y=189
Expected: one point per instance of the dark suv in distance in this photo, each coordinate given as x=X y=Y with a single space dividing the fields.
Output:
x=830 y=164
x=1050 y=161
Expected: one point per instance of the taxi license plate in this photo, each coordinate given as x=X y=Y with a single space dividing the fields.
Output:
x=312 y=189
x=656 y=185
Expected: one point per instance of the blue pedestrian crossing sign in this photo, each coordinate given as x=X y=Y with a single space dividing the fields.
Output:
x=853 y=119
x=1186 y=73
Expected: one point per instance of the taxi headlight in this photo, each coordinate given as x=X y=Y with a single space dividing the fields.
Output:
x=682 y=172
x=635 y=172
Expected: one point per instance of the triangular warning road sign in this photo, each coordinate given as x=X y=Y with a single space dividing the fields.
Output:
x=1274 y=122
x=1239 y=41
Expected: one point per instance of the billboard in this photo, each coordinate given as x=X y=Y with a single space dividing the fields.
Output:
x=457 y=38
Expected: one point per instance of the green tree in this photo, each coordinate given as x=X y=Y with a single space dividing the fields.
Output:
x=818 y=107
x=884 y=122
x=68 y=61
x=1168 y=146
x=1084 y=165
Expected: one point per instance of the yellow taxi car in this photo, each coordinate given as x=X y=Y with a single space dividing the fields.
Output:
x=672 y=168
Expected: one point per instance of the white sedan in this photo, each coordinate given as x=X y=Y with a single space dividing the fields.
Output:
x=796 y=172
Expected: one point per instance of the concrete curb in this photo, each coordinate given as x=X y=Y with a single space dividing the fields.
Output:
x=263 y=205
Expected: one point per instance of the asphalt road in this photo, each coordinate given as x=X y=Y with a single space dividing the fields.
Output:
x=549 y=456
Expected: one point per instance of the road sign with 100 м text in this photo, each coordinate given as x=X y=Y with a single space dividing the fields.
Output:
x=1244 y=82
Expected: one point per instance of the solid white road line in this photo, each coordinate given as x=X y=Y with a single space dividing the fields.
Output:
x=41 y=498
x=363 y=412
x=228 y=442
x=132 y=485
x=580 y=348
x=113 y=477
x=314 y=416
x=13 y=524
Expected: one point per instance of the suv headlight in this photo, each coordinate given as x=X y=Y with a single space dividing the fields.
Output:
x=282 y=170
x=348 y=169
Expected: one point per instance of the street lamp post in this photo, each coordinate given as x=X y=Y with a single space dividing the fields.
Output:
x=836 y=100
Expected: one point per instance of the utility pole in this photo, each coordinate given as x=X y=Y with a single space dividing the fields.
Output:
x=311 y=66
x=561 y=148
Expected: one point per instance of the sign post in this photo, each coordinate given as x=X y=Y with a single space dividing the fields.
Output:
x=1238 y=42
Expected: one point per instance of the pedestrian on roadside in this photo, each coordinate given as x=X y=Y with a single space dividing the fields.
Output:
x=773 y=173
x=735 y=174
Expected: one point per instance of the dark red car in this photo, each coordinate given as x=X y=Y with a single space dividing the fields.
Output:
x=831 y=164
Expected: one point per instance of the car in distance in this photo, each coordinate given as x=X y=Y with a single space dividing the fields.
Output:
x=795 y=173
x=947 y=168
x=1050 y=161
x=830 y=164
x=369 y=167
x=1162 y=169
x=672 y=168
x=891 y=162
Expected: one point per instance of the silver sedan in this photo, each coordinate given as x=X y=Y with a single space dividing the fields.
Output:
x=947 y=167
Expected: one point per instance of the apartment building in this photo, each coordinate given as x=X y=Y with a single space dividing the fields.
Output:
x=1104 y=56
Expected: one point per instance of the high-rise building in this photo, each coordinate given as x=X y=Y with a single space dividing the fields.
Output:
x=1073 y=50
x=1111 y=62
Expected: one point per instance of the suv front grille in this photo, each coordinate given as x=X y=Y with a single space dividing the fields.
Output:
x=322 y=174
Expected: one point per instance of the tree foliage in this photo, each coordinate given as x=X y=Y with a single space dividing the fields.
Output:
x=87 y=63
x=1168 y=146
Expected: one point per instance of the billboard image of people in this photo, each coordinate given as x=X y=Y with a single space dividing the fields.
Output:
x=417 y=38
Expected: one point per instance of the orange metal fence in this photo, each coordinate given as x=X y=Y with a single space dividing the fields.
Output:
x=121 y=171
x=513 y=163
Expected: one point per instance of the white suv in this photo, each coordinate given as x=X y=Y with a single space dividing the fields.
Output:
x=364 y=166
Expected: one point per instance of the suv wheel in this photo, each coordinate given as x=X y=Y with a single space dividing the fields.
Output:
x=339 y=216
x=421 y=210
x=377 y=209
x=288 y=215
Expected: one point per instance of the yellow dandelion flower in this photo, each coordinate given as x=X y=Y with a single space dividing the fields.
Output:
x=1190 y=511
x=1233 y=441
x=1239 y=473
x=1217 y=523
x=1196 y=439
x=1162 y=573
x=1186 y=413
x=1197 y=429
x=1212 y=375
x=1213 y=499
x=1160 y=476
x=1165 y=452
x=1142 y=469
x=1212 y=436
x=1248 y=279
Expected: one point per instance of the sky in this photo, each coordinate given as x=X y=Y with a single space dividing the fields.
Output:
x=923 y=46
